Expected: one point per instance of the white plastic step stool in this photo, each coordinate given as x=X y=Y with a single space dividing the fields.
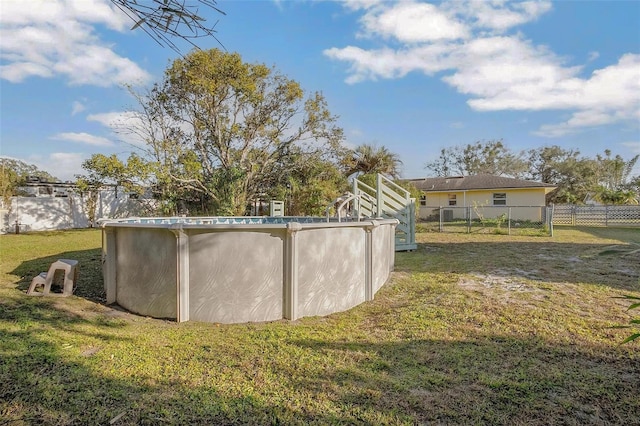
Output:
x=70 y=268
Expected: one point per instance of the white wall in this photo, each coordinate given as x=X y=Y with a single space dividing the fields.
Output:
x=49 y=213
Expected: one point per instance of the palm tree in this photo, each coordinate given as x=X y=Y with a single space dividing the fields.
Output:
x=368 y=159
x=617 y=197
x=615 y=172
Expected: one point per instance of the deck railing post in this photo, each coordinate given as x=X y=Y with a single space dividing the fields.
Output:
x=356 y=205
x=379 y=196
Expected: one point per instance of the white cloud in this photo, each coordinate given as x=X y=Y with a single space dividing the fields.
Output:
x=62 y=165
x=497 y=16
x=77 y=107
x=360 y=4
x=114 y=119
x=126 y=126
x=498 y=71
x=610 y=95
x=390 y=63
x=47 y=11
x=84 y=138
x=578 y=120
x=56 y=37
x=118 y=121
x=413 y=22
x=633 y=146
x=65 y=165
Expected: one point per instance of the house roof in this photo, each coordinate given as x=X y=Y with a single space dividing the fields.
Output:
x=475 y=182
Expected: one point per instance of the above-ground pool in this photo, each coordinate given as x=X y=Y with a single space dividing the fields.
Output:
x=241 y=269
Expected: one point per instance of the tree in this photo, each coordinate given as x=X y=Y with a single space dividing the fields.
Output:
x=614 y=172
x=164 y=20
x=573 y=176
x=132 y=176
x=616 y=197
x=310 y=183
x=368 y=159
x=616 y=186
x=446 y=164
x=9 y=181
x=219 y=133
x=634 y=184
x=14 y=173
x=491 y=157
x=546 y=163
x=605 y=177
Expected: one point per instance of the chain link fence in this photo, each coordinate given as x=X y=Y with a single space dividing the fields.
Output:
x=506 y=220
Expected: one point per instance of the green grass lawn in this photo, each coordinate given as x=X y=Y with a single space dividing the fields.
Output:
x=471 y=329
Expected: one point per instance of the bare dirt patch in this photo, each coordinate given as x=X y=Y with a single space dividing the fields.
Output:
x=509 y=280
x=506 y=286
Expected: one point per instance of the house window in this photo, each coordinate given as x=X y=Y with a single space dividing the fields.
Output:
x=452 y=200
x=499 y=198
x=423 y=200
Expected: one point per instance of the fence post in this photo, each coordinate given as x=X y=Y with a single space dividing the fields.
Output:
x=468 y=214
x=606 y=216
x=509 y=220
x=441 y=223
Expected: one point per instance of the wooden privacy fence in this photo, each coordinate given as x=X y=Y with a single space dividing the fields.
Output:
x=573 y=215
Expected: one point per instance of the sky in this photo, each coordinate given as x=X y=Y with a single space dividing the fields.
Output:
x=413 y=76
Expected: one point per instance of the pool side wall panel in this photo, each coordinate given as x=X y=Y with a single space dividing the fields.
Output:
x=146 y=271
x=331 y=270
x=383 y=241
x=236 y=276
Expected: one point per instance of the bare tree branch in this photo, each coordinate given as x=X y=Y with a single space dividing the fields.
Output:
x=166 y=20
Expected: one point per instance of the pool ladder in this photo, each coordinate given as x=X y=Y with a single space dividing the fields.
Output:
x=349 y=202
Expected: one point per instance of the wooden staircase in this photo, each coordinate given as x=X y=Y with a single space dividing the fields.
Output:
x=388 y=200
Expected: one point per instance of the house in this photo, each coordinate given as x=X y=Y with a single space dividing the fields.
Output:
x=492 y=194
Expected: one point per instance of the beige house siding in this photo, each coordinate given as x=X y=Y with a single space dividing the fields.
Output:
x=482 y=201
